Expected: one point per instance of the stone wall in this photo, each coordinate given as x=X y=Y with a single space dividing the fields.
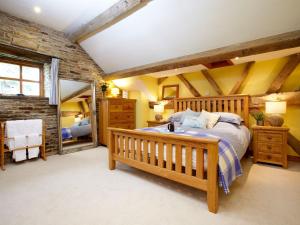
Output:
x=12 y=108
x=75 y=64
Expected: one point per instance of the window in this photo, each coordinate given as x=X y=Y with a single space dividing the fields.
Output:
x=17 y=77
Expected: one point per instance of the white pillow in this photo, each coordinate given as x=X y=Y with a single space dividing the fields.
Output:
x=212 y=118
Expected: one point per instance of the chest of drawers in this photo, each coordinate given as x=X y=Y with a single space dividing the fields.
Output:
x=115 y=112
x=270 y=145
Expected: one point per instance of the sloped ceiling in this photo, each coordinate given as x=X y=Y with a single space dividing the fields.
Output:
x=166 y=29
x=163 y=29
x=62 y=15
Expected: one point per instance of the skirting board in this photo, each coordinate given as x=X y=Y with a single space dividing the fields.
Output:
x=294 y=158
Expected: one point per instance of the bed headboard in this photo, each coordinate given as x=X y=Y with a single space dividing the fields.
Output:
x=238 y=104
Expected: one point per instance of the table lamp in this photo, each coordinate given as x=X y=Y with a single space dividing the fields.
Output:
x=115 y=91
x=276 y=109
x=159 y=109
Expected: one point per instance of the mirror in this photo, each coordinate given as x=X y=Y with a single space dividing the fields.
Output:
x=170 y=92
x=77 y=115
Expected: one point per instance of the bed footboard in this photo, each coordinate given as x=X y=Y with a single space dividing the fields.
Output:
x=153 y=153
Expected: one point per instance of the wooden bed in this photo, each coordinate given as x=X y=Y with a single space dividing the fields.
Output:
x=146 y=160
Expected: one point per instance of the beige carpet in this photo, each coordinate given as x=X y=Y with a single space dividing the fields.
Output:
x=79 y=189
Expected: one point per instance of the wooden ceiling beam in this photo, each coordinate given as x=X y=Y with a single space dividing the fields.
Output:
x=161 y=79
x=188 y=85
x=263 y=45
x=114 y=14
x=292 y=98
x=289 y=67
x=241 y=80
x=75 y=94
x=212 y=82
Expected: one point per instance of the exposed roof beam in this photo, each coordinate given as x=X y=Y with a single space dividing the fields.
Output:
x=212 y=82
x=292 y=98
x=189 y=85
x=75 y=94
x=243 y=77
x=263 y=45
x=289 y=67
x=161 y=79
x=114 y=14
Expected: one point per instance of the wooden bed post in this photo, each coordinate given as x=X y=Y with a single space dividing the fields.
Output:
x=212 y=177
x=111 y=147
x=2 y=133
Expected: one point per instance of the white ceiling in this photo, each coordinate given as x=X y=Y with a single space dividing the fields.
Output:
x=62 y=15
x=68 y=87
x=163 y=29
x=166 y=29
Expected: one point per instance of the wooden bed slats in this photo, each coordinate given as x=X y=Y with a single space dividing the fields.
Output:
x=235 y=104
x=161 y=153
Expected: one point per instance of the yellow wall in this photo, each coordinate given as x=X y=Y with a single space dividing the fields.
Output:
x=258 y=81
x=69 y=106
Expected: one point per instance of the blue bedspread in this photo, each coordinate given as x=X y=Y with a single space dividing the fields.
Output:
x=66 y=133
x=229 y=163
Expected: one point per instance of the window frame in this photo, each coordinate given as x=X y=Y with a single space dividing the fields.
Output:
x=21 y=80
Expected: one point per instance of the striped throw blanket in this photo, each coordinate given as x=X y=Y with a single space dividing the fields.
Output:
x=229 y=163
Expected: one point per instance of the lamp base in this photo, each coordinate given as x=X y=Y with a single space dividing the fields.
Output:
x=275 y=120
x=158 y=117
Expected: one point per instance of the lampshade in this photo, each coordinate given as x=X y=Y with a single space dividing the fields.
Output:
x=158 y=108
x=276 y=107
x=115 y=91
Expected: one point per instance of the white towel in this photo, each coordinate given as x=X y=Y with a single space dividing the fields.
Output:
x=33 y=152
x=33 y=126
x=34 y=139
x=15 y=128
x=19 y=155
x=19 y=141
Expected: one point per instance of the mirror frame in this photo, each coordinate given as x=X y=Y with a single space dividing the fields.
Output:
x=93 y=116
x=169 y=86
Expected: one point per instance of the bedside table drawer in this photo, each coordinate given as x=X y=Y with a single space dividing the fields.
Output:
x=270 y=137
x=269 y=148
x=269 y=157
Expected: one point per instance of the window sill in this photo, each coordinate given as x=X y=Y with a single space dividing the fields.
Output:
x=21 y=97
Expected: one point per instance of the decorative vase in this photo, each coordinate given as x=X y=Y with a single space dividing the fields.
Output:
x=103 y=94
x=259 y=122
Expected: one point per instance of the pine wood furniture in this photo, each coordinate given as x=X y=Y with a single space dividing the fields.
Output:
x=125 y=146
x=270 y=145
x=4 y=149
x=115 y=112
x=154 y=123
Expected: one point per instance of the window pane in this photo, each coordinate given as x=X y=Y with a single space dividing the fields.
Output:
x=30 y=88
x=30 y=73
x=9 y=70
x=9 y=87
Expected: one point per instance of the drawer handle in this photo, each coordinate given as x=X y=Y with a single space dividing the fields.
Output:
x=270 y=138
x=269 y=157
x=269 y=147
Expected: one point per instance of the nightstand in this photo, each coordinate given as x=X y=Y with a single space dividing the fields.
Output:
x=154 y=123
x=270 y=145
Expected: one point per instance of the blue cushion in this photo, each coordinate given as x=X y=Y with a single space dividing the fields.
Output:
x=195 y=122
x=189 y=112
x=84 y=122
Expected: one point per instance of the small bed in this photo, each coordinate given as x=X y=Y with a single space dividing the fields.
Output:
x=193 y=157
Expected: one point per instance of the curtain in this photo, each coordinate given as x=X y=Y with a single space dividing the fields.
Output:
x=53 y=99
